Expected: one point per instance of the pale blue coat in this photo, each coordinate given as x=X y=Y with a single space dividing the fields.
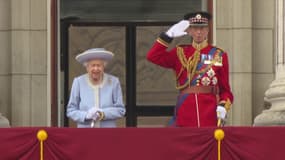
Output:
x=82 y=98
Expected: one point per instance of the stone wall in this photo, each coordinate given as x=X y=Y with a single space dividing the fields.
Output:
x=5 y=60
x=28 y=63
x=245 y=29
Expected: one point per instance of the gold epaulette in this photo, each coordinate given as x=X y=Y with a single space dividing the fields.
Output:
x=221 y=50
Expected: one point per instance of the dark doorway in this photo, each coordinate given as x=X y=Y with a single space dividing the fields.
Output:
x=128 y=30
x=132 y=32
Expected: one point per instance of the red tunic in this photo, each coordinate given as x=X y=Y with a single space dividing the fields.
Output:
x=196 y=109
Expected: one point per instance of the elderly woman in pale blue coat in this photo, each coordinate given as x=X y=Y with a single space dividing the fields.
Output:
x=96 y=97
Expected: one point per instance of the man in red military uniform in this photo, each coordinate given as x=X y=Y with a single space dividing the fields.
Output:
x=202 y=72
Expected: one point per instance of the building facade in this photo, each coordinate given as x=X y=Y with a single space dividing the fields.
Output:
x=31 y=40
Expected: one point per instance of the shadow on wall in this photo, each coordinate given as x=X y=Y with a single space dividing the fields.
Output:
x=4 y=122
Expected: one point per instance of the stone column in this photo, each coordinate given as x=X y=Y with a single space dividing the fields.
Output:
x=5 y=60
x=275 y=95
x=29 y=63
x=234 y=35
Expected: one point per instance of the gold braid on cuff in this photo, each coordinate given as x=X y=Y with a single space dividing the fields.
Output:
x=161 y=41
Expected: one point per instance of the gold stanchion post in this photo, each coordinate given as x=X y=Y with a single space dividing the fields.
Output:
x=42 y=136
x=219 y=135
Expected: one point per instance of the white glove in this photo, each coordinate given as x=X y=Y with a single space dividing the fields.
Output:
x=96 y=116
x=221 y=112
x=178 y=29
x=92 y=113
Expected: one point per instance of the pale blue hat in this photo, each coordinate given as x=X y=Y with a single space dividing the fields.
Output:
x=94 y=53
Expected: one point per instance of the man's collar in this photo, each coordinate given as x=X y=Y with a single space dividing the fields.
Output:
x=201 y=45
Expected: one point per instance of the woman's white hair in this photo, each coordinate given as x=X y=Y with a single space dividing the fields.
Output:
x=85 y=64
